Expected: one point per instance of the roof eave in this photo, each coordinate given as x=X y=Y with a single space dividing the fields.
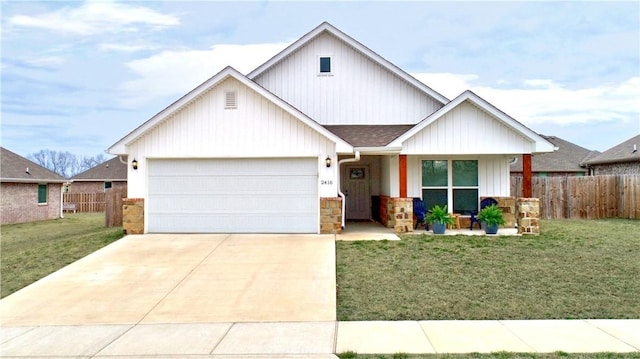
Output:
x=32 y=180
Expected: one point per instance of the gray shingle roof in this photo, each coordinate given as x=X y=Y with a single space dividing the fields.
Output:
x=623 y=152
x=567 y=158
x=15 y=168
x=111 y=170
x=368 y=135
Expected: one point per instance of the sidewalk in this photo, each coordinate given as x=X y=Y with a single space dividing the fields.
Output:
x=318 y=339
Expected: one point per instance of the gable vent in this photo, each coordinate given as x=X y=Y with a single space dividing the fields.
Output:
x=230 y=99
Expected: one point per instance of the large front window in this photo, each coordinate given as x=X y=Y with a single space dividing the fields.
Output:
x=450 y=182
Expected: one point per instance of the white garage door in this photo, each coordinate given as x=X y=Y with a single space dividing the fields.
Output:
x=266 y=195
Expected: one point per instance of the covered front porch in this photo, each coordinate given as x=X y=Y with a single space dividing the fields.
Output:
x=374 y=231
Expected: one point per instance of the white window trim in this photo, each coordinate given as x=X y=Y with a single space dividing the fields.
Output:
x=450 y=187
x=325 y=74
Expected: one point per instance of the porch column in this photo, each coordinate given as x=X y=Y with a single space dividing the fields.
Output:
x=526 y=176
x=402 y=165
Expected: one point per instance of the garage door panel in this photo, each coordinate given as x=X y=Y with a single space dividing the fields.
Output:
x=233 y=196
x=226 y=223
x=226 y=203
x=232 y=185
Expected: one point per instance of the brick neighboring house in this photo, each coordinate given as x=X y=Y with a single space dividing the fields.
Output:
x=109 y=174
x=28 y=191
x=567 y=160
x=621 y=159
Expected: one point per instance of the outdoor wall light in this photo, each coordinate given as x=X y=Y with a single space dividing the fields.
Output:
x=134 y=164
x=328 y=161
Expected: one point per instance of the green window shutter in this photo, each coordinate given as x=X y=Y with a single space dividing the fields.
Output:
x=42 y=193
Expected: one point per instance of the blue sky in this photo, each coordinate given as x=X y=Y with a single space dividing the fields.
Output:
x=78 y=76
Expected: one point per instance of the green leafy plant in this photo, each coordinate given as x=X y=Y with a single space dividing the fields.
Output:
x=491 y=215
x=439 y=215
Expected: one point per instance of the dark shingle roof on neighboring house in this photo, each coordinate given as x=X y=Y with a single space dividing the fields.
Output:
x=15 y=168
x=368 y=135
x=567 y=158
x=627 y=151
x=111 y=170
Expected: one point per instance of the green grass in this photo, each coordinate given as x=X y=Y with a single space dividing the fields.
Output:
x=30 y=251
x=498 y=355
x=574 y=269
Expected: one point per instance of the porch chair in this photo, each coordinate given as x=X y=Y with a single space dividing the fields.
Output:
x=420 y=212
x=484 y=203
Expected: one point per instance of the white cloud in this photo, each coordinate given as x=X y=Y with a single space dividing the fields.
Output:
x=96 y=17
x=539 y=101
x=125 y=48
x=48 y=61
x=176 y=72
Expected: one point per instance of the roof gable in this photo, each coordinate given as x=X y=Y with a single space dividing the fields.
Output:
x=119 y=147
x=111 y=170
x=15 y=168
x=326 y=27
x=541 y=144
x=627 y=151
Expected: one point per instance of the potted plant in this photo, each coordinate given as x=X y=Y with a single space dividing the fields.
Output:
x=439 y=218
x=492 y=217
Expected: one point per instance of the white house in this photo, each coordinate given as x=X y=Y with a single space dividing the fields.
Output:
x=326 y=119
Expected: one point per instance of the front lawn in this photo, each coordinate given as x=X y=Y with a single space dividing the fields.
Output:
x=574 y=269
x=30 y=251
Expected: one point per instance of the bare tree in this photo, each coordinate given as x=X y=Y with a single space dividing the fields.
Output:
x=65 y=164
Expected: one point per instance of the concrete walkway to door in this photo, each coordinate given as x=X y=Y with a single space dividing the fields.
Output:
x=169 y=278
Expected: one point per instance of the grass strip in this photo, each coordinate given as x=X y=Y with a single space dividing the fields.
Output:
x=30 y=251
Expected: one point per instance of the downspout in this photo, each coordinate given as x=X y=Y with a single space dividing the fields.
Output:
x=62 y=200
x=344 y=201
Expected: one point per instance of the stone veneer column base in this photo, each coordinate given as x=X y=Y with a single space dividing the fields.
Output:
x=133 y=215
x=397 y=213
x=508 y=207
x=330 y=215
x=528 y=215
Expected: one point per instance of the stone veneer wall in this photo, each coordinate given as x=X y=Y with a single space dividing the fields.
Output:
x=528 y=215
x=508 y=207
x=403 y=212
x=397 y=213
x=133 y=215
x=330 y=215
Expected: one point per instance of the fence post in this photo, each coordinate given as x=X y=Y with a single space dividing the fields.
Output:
x=113 y=208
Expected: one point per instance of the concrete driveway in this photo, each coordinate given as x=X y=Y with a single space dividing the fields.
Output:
x=170 y=278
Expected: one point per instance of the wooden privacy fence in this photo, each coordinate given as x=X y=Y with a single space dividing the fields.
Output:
x=85 y=202
x=590 y=197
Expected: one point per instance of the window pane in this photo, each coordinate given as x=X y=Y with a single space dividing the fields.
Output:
x=431 y=197
x=465 y=173
x=42 y=193
x=325 y=64
x=465 y=201
x=107 y=185
x=434 y=173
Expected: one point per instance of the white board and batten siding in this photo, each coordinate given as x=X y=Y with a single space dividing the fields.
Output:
x=357 y=91
x=493 y=173
x=205 y=129
x=467 y=129
x=256 y=195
